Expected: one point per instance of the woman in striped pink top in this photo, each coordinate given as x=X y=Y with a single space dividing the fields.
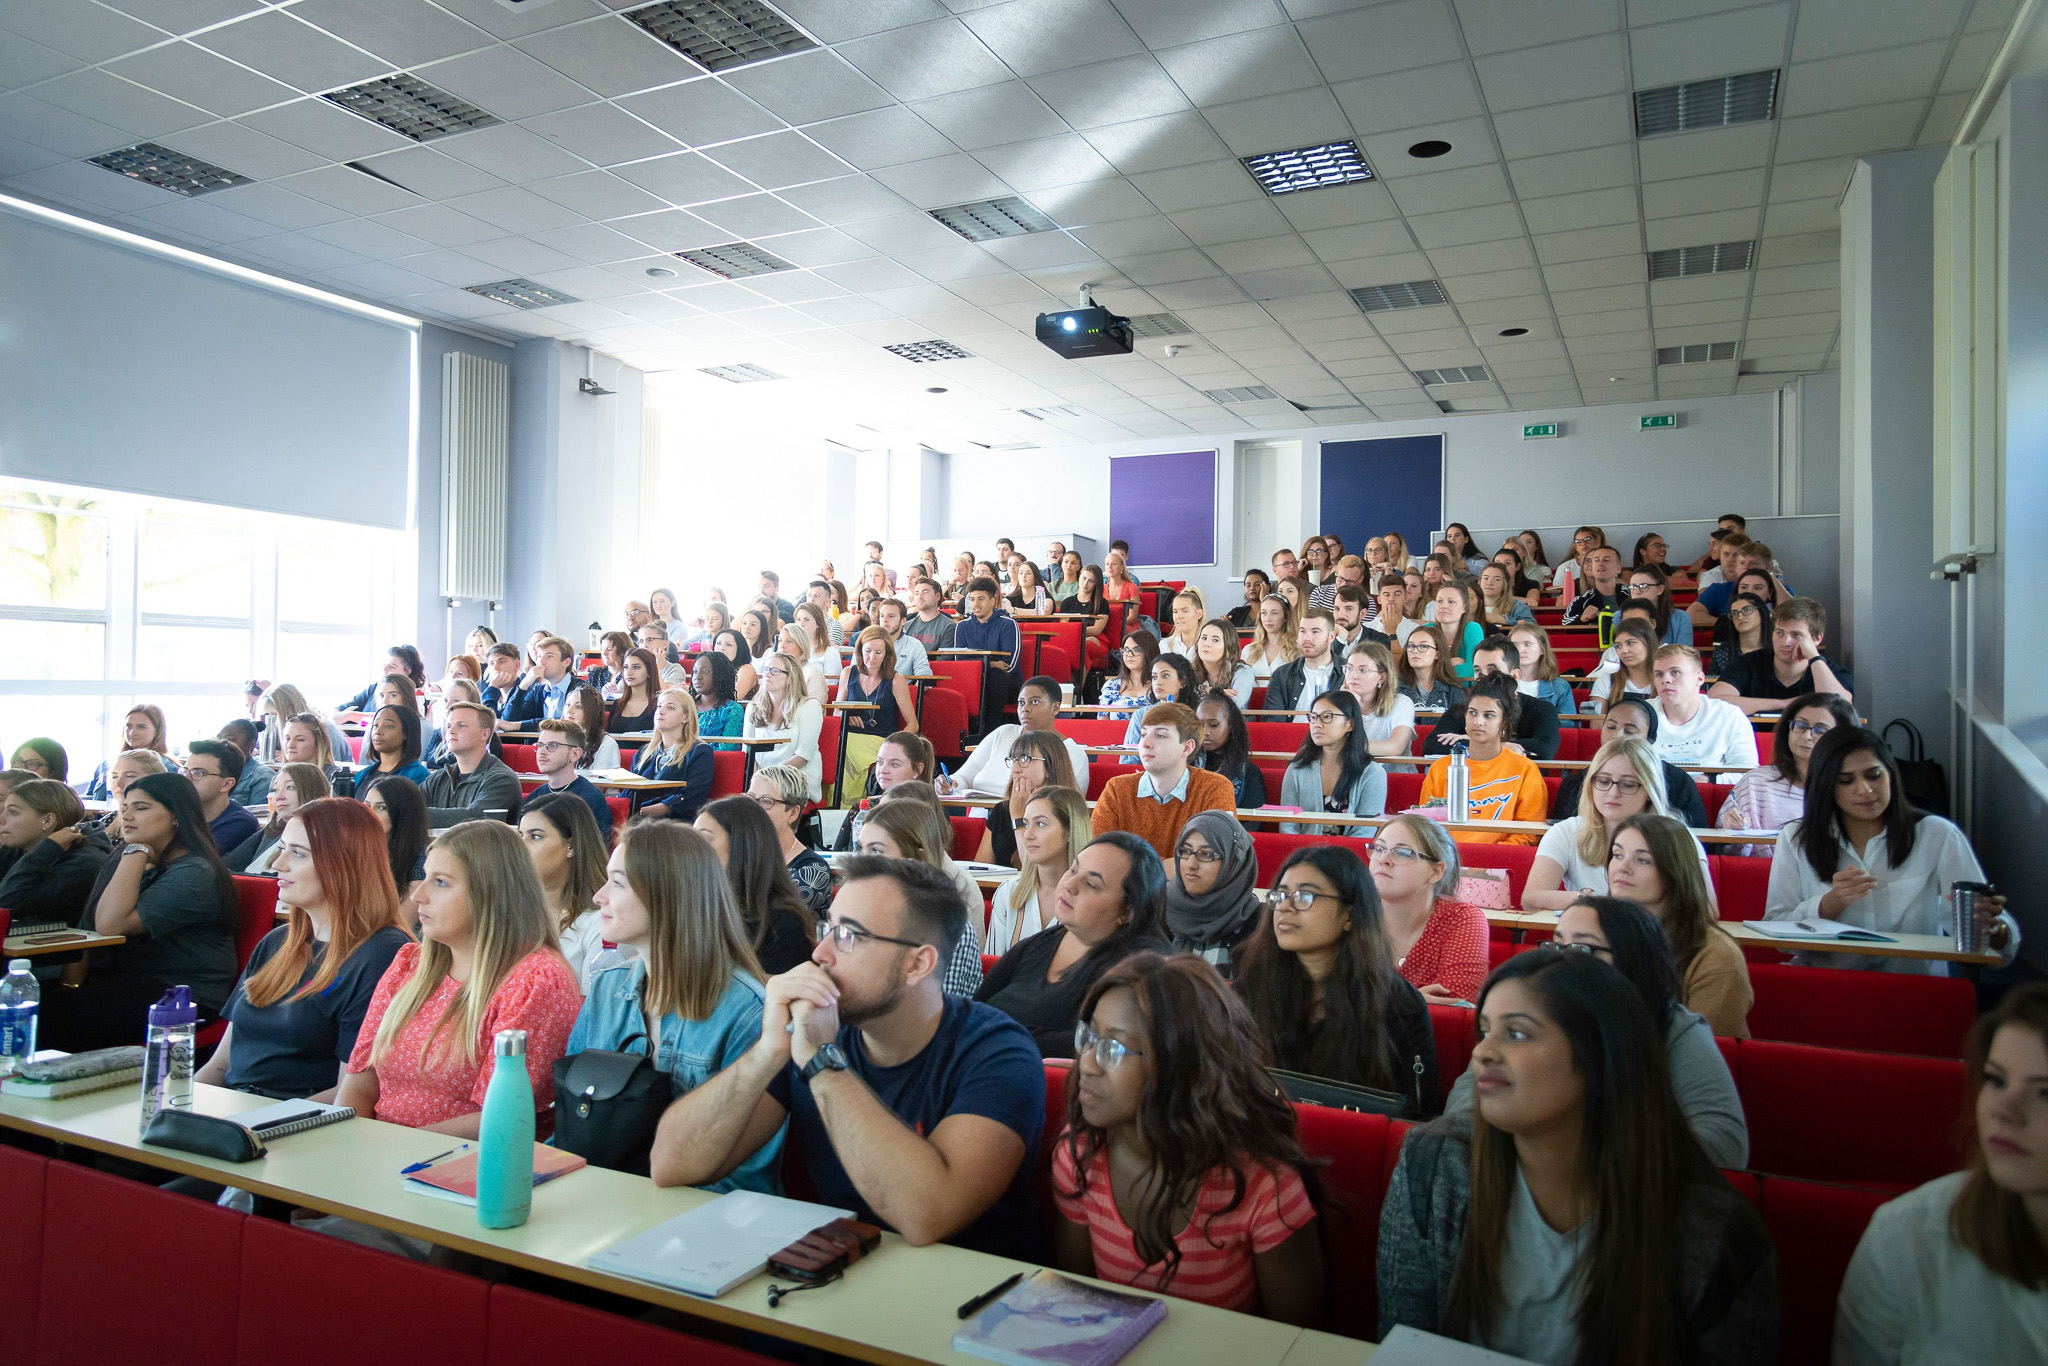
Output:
x=1179 y=1170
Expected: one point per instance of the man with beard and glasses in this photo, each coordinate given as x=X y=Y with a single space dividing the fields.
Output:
x=918 y=1110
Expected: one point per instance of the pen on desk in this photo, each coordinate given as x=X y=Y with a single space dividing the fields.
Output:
x=988 y=1297
x=428 y=1162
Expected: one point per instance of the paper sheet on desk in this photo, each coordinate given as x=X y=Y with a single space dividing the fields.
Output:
x=717 y=1245
x=1407 y=1346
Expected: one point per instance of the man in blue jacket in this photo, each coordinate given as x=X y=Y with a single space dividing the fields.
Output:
x=545 y=687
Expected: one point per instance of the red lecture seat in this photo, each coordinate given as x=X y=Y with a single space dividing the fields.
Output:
x=1816 y=1229
x=1354 y=1181
x=1868 y=1119
x=1457 y=1030
x=1101 y=768
x=962 y=676
x=967 y=833
x=519 y=757
x=942 y=719
x=1880 y=1012
x=1514 y=858
x=22 y=1181
x=1092 y=729
x=281 y=1322
x=1740 y=885
x=526 y=1329
x=728 y=773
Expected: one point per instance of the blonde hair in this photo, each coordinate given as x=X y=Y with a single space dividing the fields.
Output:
x=1389 y=691
x=1290 y=648
x=789 y=782
x=1595 y=839
x=762 y=710
x=686 y=737
x=149 y=761
x=695 y=939
x=508 y=919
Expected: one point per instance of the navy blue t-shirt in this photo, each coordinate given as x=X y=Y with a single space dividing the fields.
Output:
x=296 y=1048
x=581 y=786
x=980 y=1062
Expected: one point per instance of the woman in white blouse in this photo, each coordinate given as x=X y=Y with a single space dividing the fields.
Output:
x=815 y=628
x=790 y=640
x=1389 y=717
x=782 y=710
x=1863 y=856
x=1272 y=643
x=1054 y=828
x=1625 y=779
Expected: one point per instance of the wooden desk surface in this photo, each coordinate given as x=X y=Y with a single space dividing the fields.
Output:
x=895 y=1306
x=625 y=780
x=69 y=941
x=1924 y=947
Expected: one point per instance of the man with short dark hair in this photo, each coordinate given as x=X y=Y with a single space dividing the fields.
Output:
x=988 y=627
x=1155 y=802
x=557 y=755
x=1316 y=670
x=1791 y=666
x=1349 y=613
x=911 y=658
x=1257 y=583
x=253 y=787
x=771 y=589
x=501 y=676
x=1391 y=598
x=1536 y=726
x=919 y=1111
x=477 y=784
x=928 y=625
x=545 y=687
x=214 y=767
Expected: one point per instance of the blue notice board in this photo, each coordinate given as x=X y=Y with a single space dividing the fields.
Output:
x=1393 y=483
x=1165 y=506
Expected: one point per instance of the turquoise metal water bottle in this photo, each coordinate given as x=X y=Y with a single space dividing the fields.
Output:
x=504 y=1164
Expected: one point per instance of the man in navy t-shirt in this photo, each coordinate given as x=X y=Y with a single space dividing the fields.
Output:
x=558 y=754
x=919 y=1111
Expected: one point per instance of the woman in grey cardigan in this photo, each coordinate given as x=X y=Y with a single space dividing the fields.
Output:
x=1573 y=1218
x=1333 y=771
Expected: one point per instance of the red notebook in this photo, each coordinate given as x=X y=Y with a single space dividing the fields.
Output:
x=456 y=1179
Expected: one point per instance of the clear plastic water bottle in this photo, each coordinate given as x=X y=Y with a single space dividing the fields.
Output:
x=504 y=1162
x=167 y=1054
x=1458 y=785
x=21 y=997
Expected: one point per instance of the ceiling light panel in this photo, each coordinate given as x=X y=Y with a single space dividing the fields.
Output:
x=1716 y=259
x=735 y=260
x=168 y=170
x=1158 y=325
x=1719 y=103
x=522 y=294
x=925 y=352
x=1058 y=410
x=1453 y=374
x=411 y=108
x=1251 y=393
x=987 y=219
x=1413 y=294
x=1308 y=168
x=741 y=374
x=1694 y=354
x=721 y=34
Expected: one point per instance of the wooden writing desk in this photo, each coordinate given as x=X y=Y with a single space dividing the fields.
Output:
x=67 y=941
x=1923 y=947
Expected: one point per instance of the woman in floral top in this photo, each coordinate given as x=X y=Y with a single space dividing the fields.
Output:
x=487 y=960
x=1131 y=689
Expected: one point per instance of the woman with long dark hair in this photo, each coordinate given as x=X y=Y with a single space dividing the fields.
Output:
x=568 y=853
x=1655 y=862
x=1087 y=601
x=633 y=712
x=1863 y=855
x=1774 y=794
x=401 y=809
x=1333 y=772
x=48 y=861
x=1743 y=629
x=1425 y=671
x=391 y=749
x=1576 y=1220
x=1179 y=1170
x=1226 y=748
x=1130 y=689
x=779 y=924
x=734 y=647
x=1320 y=981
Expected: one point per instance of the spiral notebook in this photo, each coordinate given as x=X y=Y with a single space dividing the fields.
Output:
x=291 y=1117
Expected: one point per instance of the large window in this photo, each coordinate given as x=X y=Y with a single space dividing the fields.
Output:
x=107 y=600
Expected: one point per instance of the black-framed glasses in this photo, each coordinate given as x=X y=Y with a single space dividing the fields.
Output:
x=1399 y=852
x=1599 y=951
x=1325 y=717
x=845 y=935
x=1627 y=787
x=1301 y=898
x=1199 y=853
x=1020 y=760
x=1814 y=728
x=1109 y=1053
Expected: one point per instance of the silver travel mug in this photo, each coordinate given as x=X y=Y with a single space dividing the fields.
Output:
x=1969 y=935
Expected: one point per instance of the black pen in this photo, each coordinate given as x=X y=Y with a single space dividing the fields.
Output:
x=988 y=1297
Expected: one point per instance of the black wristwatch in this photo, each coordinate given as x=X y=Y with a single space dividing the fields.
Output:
x=829 y=1057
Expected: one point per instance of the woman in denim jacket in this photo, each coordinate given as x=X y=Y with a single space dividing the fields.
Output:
x=684 y=974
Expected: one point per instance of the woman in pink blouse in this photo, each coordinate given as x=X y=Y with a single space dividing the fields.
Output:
x=487 y=960
x=1439 y=944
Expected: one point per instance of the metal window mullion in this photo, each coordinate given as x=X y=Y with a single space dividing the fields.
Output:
x=263 y=553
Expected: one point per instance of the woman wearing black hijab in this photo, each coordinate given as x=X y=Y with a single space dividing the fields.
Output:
x=1210 y=904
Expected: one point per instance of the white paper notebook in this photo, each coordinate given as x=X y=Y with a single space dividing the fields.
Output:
x=1407 y=1346
x=292 y=1117
x=717 y=1245
x=1817 y=929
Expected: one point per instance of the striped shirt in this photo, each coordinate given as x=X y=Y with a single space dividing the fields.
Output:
x=1216 y=1247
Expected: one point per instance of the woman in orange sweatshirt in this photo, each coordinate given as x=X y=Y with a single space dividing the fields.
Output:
x=1505 y=784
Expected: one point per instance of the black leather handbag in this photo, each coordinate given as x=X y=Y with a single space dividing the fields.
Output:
x=1304 y=1089
x=607 y=1106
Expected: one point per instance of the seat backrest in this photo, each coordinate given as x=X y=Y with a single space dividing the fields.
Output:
x=1457 y=1029
x=941 y=719
x=828 y=750
x=963 y=676
x=1816 y=1229
x=1404 y=788
x=1713 y=796
x=1275 y=737
x=1274 y=771
x=1883 y=1012
x=1577 y=742
x=1832 y=1114
x=622 y=811
x=728 y=773
x=519 y=757
x=1092 y=729
x=1741 y=884
x=1257 y=699
x=255 y=913
x=1353 y=1148
x=967 y=832
x=1271 y=849
x=1766 y=744
x=1055 y=661
x=1101 y=768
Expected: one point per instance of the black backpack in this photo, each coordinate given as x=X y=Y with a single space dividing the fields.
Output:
x=608 y=1105
x=1925 y=783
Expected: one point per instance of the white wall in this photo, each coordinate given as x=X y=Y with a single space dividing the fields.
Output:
x=437 y=627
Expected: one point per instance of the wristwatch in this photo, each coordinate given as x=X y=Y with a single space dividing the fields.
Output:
x=829 y=1057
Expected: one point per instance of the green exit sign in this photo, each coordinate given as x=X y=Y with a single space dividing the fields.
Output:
x=1533 y=431
x=1654 y=421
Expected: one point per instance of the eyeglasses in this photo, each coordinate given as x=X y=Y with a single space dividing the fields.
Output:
x=1020 y=760
x=1109 y=1053
x=1627 y=787
x=552 y=745
x=1421 y=647
x=1301 y=898
x=1324 y=717
x=1814 y=728
x=1600 y=951
x=774 y=673
x=1198 y=853
x=1401 y=853
x=767 y=803
x=846 y=934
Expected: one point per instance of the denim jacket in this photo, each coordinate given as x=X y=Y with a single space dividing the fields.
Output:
x=691 y=1052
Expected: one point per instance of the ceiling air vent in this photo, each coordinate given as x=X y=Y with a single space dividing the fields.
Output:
x=1453 y=374
x=1308 y=168
x=721 y=34
x=925 y=352
x=1718 y=103
x=411 y=108
x=1158 y=325
x=735 y=260
x=987 y=219
x=1251 y=393
x=1694 y=354
x=168 y=170
x=1716 y=259
x=740 y=374
x=522 y=294
x=1058 y=410
x=1413 y=294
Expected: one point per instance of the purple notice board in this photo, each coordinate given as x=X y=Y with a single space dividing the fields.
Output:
x=1165 y=506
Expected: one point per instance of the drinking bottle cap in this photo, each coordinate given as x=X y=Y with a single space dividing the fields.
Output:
x=18 y=965
x=510 y=1043
x=176 y=1008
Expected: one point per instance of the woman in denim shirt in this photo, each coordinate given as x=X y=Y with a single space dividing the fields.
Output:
x=691 y=980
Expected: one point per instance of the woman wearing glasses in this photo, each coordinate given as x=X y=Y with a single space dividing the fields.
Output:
x=987 y=770
x=783 y=710
x=1767 y=798
x=1055 y=827
x=1225 y=1213
x=779 y=924
x=1037 y=759
x=1212 y=904
x=1425 y=670
x=1333 y=771
x=1649 y=583
x=1438 y=942
x=1636 y=718
x=784 y=792
x=1653 y=863
x=1320 y=981
x=1625 y=779
x=1110 y=904
x=1744 y=630
x=1130 y=689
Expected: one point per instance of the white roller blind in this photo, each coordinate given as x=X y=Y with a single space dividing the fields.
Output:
x=126 y=369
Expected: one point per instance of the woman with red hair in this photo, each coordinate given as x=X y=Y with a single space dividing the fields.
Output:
x=293 y=1018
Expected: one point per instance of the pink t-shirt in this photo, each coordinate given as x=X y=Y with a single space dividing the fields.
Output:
x=539 y=995
x=1452 y=951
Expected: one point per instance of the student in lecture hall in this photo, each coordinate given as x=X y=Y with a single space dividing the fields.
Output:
x=1173 y=680
x=391 y=749
x=775 y=920
x=1117 y=583
x=1296 y=590
x=1498 y=609
x=543 y=689
x=793 y=641
x=1649 y=583
x=568 y=854
x=1188 y=613
x=1348 y=571
x=1257 y=583
x=1054 y=829
x=141 y=728
x=1216 y=663
x=1319 y=978
x=1439 y=943
x=750 y=637
x=812 y=623
x=904 y=757
x=1179 y=1171
x=214 y=767
x=987 y=773
x=1424 y=671
x=1037 y=759
x=1286 y=564
x=871 y=677
x=987 y=627
x=1226 y=749
x=1436 y=572
x=1568 y=578
x=1212 y=903
x=612 y=648
x=1625 y=668
x=1526 y=590
x=1088 y=602
x=254 y=784
x=912 y=659
x=1958 y=1269
x=1333 y=772
x=1636 y=718
x=51 y=860
x=558 y=757
x=1312 y=672
x=294 y=787
x=783 y=793
x=401 y=660
x=1693 y=728
x=1398 y=556
x=672 y=754
x=900 y=1097
x=1600 y=589
x=1539 y=663
x=1027 y=596
x=1536 y=733
x=1744 y=629
x=1793 y=666
x=501 y=676
x=1156 y=802
x=1315 y=559
x=1626 y=779
x=655 y=641
x=295 y=1016
x=1110 y=904
x=1389 y=610
x=636 y=615
x=169 y=894
x=477 y=782
x=1774 y=794
x=1574 y=1217
x=1751 y=557
x=719 y=712
x=1655 y=863
x=1504 y=784
x=1387 y=717
x=784 y=711
x=401 y=811
x=930 y=625
x=1131 y=687
x=661 y=608
x=279 y=704
x=1272 y=643
x=632 y=712
x=1535 y=561
x=909 y=823
x=585 y=710
x=1862 y=854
